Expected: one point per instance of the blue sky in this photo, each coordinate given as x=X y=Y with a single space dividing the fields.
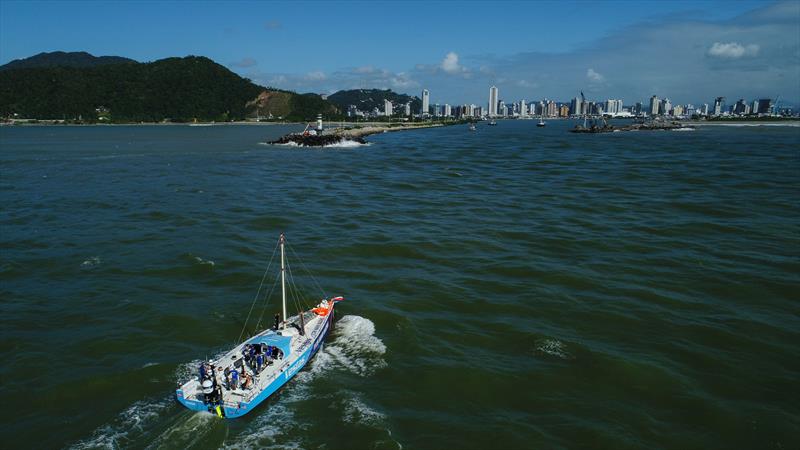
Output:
x=688 y=51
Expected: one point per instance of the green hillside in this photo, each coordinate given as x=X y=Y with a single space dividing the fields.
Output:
x=64 y=59
x=175 y=89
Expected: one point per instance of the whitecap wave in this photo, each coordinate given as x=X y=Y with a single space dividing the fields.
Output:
x=553 y=347
x=91 y=262
x=204 y=262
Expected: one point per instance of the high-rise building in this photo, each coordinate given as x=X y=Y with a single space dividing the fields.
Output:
x=575 y=107
x=493 y=93
x=637 y=109
x=408 y=109
x=551 y=109
x=718 y=104
x=426 y=103
x=765 y=106
x=563 y=110
x=740 y=107
x=523 y=108
x=666 y=107
x=654 y=104
x=754 y=108
x=387 y=108
x=704 y=109
x=613 y=106
x=447 y=110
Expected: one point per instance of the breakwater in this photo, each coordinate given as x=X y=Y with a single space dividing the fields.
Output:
x=339 y=135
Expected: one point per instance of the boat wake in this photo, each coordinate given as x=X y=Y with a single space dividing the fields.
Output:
x=354 y=349
x=346 y=143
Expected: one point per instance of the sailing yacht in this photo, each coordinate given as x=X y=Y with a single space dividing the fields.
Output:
x=235 y=383
x=541 y=121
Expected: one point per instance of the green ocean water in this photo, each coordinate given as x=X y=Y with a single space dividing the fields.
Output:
x=509 y=288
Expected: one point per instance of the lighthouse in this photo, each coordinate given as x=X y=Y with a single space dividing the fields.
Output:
x=319 y=123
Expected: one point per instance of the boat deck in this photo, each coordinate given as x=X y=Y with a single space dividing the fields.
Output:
x=314 y=324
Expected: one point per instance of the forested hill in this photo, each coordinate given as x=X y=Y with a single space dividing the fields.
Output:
x=64 y=59
x=175 y=89
x=367 y=99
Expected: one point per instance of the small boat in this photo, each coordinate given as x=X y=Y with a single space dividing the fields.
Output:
x=541 y=122
x=235 y=383
x=472 y=127
x=493 y=122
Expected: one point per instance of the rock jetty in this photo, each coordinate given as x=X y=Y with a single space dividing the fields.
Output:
x=653 y=125
x=338 y=135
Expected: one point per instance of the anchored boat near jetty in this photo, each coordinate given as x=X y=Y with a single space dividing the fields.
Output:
x=236 y=382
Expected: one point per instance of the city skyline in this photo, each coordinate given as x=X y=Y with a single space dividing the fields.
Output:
x=688 y=51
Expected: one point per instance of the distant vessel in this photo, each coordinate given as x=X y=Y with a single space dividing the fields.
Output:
x=492 y=122
x=472 y=127
x=541 y=121
x=236 y=382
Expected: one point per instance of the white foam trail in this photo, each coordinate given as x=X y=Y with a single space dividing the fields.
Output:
x=683 y=129
x=346 y=143
x=144 y=416
x=355 y=347
x=356 y=411
x=127 y=426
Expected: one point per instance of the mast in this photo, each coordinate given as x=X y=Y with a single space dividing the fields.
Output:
x=283 y=279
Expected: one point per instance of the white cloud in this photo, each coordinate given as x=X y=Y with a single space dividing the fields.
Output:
x=732 y=50
x=316 y=76
x=278 y=80
x=594 y=77
x=450 y=63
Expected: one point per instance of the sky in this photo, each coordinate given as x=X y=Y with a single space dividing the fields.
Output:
x=687 y=51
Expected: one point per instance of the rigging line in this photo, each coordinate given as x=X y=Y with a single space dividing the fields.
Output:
x=293 y=291
x=298 y=297
x=303 y=304
x=302 y=264
x=264 y=277
x=266 y=302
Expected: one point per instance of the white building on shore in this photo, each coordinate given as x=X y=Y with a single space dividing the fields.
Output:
x=493 y=101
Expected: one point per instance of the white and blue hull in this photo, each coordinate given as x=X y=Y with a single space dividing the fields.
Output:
x=238 y=403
